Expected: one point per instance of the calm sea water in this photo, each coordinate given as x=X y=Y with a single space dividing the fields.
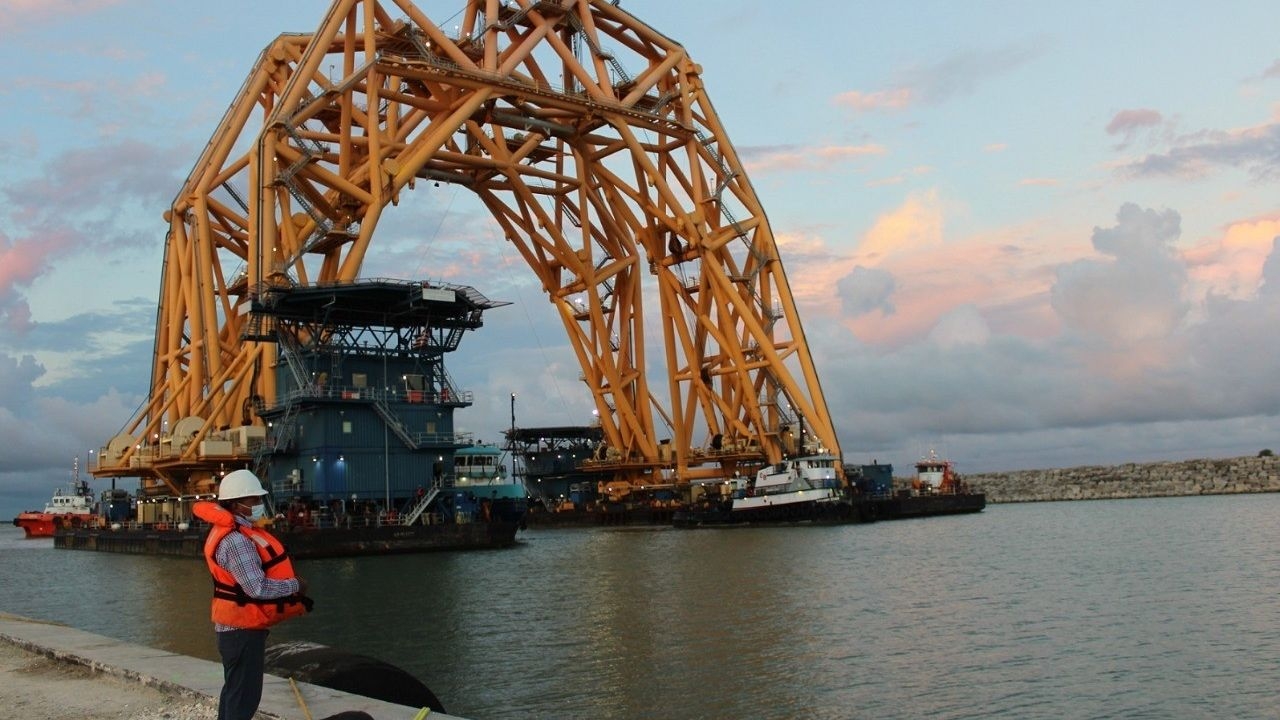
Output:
x=1163 y=608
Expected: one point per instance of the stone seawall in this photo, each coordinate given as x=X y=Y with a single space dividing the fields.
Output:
x=1133 y=480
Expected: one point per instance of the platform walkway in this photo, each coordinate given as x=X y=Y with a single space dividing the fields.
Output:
x=187 y=677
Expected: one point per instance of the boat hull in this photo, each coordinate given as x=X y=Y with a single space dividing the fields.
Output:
x=606 y=514
x=41 y=524
x=914 y=506
x=844 y=511
x=302 y=543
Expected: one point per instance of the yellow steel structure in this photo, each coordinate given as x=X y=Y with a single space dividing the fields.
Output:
x=590 y=137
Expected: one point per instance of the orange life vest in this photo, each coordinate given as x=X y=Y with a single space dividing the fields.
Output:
x=231 y=604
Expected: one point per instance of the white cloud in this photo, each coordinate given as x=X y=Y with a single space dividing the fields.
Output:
x=866 y=290
x=1135 y=296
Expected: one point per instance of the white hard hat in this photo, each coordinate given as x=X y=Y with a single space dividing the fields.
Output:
x=240 y=484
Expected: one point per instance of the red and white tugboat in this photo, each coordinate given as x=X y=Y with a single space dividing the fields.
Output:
x=63 y=510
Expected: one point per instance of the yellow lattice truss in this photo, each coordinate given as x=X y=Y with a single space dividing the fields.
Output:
x=591 y=139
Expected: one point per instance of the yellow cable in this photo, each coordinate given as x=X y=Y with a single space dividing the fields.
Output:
x=422 y=713
x=301 y=703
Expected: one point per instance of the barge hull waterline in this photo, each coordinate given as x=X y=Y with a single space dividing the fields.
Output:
x=845 y=512
x=305 y=544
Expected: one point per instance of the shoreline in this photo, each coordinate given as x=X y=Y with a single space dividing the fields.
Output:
x=1184 y=478
x=50 y=671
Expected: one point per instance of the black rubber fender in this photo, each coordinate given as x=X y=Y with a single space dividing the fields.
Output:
x=349 y=672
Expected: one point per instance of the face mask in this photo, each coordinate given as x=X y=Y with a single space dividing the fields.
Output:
x=258 y=512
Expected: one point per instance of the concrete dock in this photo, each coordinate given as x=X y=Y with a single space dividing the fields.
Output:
x=84 y=671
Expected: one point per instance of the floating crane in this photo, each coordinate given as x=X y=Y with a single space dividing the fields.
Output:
x=590 y=138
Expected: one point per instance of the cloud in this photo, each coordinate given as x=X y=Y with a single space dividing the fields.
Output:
x=1129 y=123
x=1004 y=273
x=1136 y=368
x=101 y=200
x=914 y=225
x=866 y=290
x=901 y=177
x=797 y=158
x=1270 y=286
x=962 y=326
x=21 y=262
x=1256 y=149
x=16 y=13
x=1273 y=71
x=891 y=180
x=1232 y=264
x=956 y=75
x=1134 y=298
x=895 y=99
x=1038 y=182
x=88 y=180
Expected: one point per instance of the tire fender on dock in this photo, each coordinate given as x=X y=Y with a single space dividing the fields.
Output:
x=349 y=672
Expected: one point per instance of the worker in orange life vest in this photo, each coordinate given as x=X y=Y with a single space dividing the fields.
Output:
x=254 y=587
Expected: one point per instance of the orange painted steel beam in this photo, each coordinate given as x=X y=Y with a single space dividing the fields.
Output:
x=619 y=187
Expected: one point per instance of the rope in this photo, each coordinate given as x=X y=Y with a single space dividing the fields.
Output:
x=301 y=703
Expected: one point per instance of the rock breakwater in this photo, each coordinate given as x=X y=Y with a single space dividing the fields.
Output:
x=1133 y=480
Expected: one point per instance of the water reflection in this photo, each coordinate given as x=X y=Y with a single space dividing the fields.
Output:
x=1151 y=608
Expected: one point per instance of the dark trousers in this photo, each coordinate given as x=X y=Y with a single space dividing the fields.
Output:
x=242 y=659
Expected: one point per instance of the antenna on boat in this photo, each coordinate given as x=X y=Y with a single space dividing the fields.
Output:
x=511 y=439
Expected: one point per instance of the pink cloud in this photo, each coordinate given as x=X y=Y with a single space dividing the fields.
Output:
x=896 y=99
x=793 y=158
x=24 y=260
x=916 y=224
x=21 y=262
x=14 y=12
x=1003 y=275
x=1026 y=182
x=1127 y=121
x=901 y=177
x=1230 y=265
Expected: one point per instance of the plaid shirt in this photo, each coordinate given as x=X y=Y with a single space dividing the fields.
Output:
x=236 y=555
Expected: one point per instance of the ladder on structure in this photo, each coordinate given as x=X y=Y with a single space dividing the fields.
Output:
x=393 y=422
x=423 y=504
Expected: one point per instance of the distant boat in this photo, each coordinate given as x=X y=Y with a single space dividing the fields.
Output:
x=808 y=489
x=796 y=488
x=73 y=509
x=482 y=488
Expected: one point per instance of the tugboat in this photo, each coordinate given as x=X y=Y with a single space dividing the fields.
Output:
x=807 y=489
x=72 y=509
x=481 y=485
x=798 y=489
x=936 y=490
x=802 y=488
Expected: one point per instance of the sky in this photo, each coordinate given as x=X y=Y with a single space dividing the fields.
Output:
x=1024 y=235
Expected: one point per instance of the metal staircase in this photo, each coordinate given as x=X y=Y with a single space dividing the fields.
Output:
x=279 y=439
x=424 y=503
x=393 y=422
x=292 y=353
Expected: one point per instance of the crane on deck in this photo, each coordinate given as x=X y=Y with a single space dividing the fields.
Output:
x=590 y=138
